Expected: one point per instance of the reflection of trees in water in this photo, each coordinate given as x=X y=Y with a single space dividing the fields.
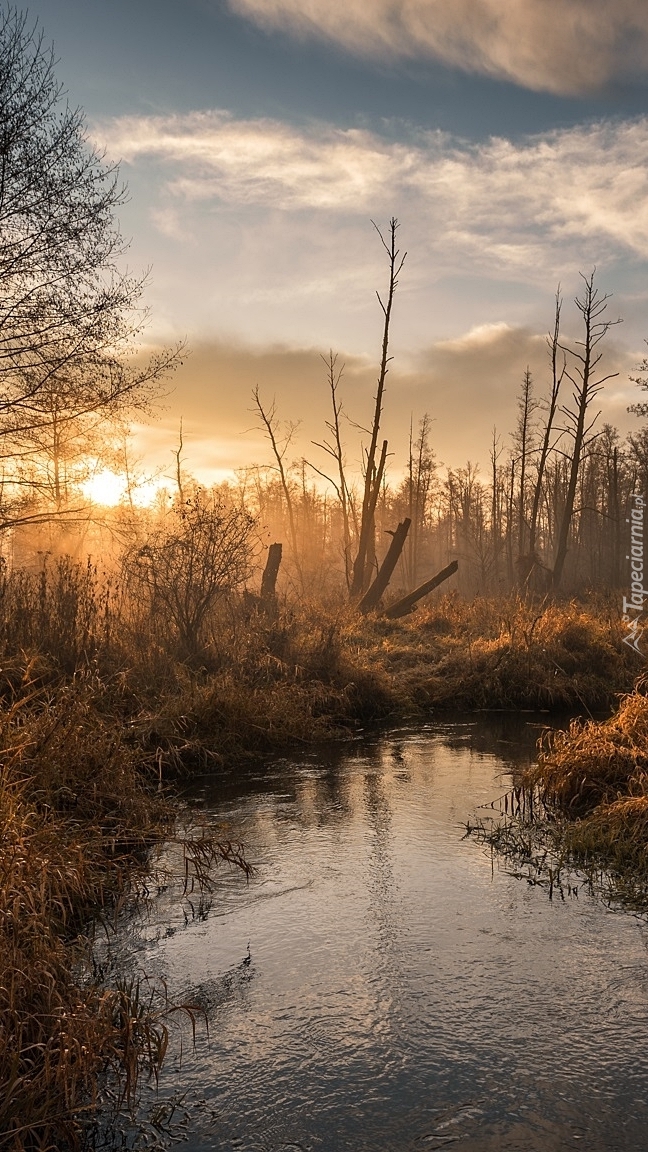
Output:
x=400 y=766
x=382 y=886
x=321 y=789
x=509 y=736
x=332 y=796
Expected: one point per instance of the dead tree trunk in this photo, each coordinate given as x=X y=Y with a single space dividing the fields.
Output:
x=270 y=573
x=372 y=597
x=373 y=475
x=408 y=603
x=587 y=385
x=557 y=375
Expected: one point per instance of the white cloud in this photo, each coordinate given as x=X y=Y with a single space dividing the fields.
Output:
x=480 y=337
x=580 y=193
x=562 y=46
x=251 y=161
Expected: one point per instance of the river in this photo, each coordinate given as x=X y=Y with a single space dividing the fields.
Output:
x=402 y=990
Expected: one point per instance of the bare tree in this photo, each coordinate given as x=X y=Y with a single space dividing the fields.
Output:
x=587 y=385
x=63 y=298
x=68 y=313
x=335 y=450
x=202 y=551
x=75 y=421
x=641 y=407
x=178 y=464
x=420 y=482
x=374 y=470
x=496 y=510
x=279 y=447
x=558 y=368
x=522 y=440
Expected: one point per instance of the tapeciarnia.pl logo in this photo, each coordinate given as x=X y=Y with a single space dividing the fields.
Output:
x=634 y=605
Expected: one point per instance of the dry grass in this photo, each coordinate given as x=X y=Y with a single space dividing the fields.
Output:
x=595 y=763
x=593 y=782
x=78 y=817
x=257 y=681
x=96 y=706
x=73 y=815
x=506 y=653
x=615 y=836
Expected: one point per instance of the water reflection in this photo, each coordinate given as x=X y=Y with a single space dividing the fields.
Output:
x=400 y=992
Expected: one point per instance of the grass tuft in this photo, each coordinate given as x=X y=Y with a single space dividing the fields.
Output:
x=590 y=794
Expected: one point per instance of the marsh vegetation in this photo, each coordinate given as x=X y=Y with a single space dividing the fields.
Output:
x=149 y=639
x=586 y=801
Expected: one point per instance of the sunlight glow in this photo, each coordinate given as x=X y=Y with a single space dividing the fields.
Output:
x=105 y=487
x=109 y=489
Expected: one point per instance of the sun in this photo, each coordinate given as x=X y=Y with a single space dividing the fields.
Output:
x=108 y=489
x=105 y=487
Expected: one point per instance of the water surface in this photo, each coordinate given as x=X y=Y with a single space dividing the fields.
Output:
x=402 y=991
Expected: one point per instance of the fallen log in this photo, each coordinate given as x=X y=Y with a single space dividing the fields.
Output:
x=408 y=603
x=373 y=594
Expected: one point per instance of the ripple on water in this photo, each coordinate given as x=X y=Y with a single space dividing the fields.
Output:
x=402 y=993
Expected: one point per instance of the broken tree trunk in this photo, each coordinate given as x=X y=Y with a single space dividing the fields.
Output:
x=408 y=603
x=373 y=594
x=270 y=573
x=362 y=563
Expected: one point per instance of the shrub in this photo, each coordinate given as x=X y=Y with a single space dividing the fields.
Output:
x=203 y=551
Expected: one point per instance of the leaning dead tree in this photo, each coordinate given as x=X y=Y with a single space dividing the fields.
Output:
x=374 y=464
x=408 y=603
x=372 y=596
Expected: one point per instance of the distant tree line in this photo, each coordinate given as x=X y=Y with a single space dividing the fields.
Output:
x=549 y=514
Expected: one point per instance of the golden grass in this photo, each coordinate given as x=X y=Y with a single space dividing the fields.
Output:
x=594 y=777
x=78 y=817
x=57 y=866
x=505 y=653
x=617 y=835
x=95 y=706
x=595 y=763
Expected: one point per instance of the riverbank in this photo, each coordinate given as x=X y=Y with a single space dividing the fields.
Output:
x=317 y=674
x=397 y=987
x=81 y=816
x=101 y=713
x=77 y=821
x=593 y=782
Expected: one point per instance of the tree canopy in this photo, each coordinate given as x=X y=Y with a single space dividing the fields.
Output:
x=69 y=311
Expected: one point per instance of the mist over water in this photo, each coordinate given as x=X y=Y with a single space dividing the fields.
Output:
x=402 y=990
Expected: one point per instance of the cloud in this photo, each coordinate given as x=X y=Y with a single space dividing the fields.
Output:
x=567 y=47
x=467 y=386
x=499 y=205
x=480 y=338
x=263 y=161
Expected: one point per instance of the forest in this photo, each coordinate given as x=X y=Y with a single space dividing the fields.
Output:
x=300 y=602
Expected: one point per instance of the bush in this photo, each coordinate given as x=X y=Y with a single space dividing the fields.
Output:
x=203 y=551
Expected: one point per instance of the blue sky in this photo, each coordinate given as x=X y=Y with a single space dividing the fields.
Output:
x=259 y=138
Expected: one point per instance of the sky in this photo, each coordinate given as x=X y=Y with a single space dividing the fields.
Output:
x=260 y=138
